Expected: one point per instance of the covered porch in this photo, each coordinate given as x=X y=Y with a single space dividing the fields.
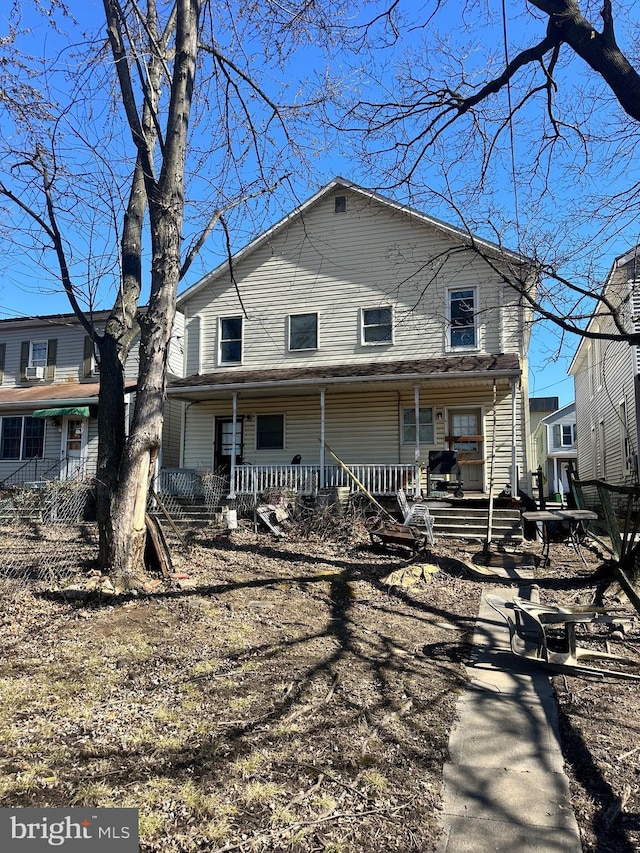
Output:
x=294 y=428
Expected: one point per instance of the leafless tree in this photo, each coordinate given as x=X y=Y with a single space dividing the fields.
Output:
x=536 y=114
x=118 y=157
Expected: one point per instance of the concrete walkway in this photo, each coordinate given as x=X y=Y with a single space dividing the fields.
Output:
x=504 y=789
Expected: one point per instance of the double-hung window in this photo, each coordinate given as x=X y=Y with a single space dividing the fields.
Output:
x=425 y=417
x=377 y=326
x=567 y=435
x=21 y=438
x=38 y=354
x=462 y=318
x=230 y=340
x=303 y=331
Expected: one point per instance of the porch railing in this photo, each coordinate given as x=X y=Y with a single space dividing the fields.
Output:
x=378 y=479
x=37 y=470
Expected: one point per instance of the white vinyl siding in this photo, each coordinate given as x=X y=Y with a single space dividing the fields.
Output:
x=603 y=376
x=369 y=257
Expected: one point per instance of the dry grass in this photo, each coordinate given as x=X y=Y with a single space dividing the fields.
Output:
x=290 y=701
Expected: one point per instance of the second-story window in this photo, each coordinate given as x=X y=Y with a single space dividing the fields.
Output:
x=377 y=326
x=38 y=354
x=567 y=435
x=462 y=318
x=303 y=331
x=230 y=340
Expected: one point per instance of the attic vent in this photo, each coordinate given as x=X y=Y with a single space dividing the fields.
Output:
x=340 y=204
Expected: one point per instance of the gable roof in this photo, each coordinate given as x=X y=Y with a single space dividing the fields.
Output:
x=339 y=183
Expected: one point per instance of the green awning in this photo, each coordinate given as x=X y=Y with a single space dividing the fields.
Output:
x=66 y=411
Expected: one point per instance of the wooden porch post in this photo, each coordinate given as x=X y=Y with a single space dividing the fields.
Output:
x=322 y=414
x=232 y=474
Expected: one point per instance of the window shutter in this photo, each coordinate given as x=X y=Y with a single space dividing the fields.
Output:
x=88 y=356
x=556 y=435
x=3 y=349
x=52 y=351
x=24 y=360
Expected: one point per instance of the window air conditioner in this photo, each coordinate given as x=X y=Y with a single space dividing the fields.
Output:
x=34 y=372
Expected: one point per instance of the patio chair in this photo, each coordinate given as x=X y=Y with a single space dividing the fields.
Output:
x=416 y=515
x=527 y=622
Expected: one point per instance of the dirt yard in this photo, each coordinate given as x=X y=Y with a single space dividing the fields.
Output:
x=282 y=696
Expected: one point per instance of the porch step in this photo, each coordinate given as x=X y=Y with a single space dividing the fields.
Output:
x=463 y=522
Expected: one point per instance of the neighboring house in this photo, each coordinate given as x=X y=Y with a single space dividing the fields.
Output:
x=49 y=384
x=555 y=447
x=363 y=326
x=605 y=375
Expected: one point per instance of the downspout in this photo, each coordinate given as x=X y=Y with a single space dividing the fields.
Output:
x=322 y=437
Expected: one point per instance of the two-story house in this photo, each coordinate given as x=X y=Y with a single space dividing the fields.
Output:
x=49 y=385
x=555 y=441
x=359 y=327
x=606 y=382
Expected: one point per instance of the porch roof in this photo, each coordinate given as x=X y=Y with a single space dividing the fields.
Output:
x=466 y=368
x=60 y=394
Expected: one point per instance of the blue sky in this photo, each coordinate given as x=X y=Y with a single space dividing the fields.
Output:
x=20 y=294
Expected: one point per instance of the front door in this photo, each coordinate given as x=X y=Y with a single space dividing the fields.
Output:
x=73 y=443
x=224 y=444
x=465 y=437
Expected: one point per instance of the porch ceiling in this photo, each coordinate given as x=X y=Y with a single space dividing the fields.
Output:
x=463 y=371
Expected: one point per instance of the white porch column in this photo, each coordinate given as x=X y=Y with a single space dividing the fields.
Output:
x=416 y=403
x=322 y=417
x=232 y=485
x=514 y=441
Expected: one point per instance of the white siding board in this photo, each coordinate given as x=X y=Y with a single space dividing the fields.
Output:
x=336 y=264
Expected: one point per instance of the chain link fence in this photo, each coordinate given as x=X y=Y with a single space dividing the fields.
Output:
x=47 y=531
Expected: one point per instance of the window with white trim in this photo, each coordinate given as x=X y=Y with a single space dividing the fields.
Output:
x=425 y=417
x=377 y=325
x=269 y=432
x=38 y=353
x=21 y=438
x=567 y=435
x=303 y=331
x=230 y=340
x=462 y=318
